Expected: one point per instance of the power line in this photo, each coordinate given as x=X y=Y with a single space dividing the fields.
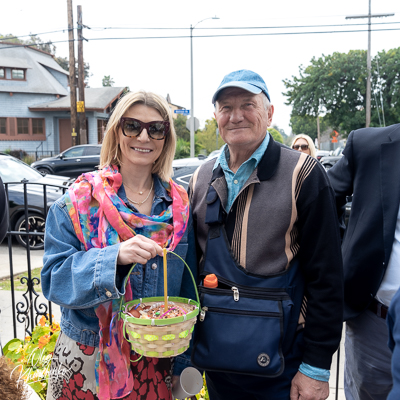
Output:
x=208 y=28
x=212 y=36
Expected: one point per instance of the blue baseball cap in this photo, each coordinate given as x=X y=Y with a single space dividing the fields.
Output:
x=244 y=79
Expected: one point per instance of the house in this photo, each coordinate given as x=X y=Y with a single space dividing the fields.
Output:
x=35 y=102
x=173 y=107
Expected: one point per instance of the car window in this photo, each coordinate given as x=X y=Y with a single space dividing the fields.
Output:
x=12 y=170
x=74 y=152
x=92 y=150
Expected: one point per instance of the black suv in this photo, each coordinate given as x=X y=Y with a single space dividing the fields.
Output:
x=71 y=162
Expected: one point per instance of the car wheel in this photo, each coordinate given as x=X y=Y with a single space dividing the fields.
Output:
x=36 y=224
x=44 y=171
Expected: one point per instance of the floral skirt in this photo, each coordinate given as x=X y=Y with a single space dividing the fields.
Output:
x=72 y=374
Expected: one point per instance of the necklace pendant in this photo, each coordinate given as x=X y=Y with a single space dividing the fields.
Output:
x=140 y=192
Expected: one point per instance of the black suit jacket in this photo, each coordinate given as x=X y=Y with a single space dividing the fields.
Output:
x=370 y=171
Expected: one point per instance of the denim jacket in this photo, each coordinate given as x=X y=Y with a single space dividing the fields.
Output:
x=79 y=280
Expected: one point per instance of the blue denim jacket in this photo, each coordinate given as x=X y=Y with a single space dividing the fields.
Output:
x=79 y=280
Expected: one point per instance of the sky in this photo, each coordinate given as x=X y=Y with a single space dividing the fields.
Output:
x=123 y=42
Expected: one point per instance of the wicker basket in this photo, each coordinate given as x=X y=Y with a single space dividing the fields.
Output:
x=160 y=338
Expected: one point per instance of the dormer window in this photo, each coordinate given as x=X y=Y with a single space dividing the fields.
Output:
x=18 y=74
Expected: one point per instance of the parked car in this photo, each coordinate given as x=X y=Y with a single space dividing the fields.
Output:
x=13 y=171
x=322 y=153
x=71 y=162
x=329 y=161
x=185 y=167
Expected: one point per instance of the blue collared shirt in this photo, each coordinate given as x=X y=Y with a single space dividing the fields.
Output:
x=235 y=181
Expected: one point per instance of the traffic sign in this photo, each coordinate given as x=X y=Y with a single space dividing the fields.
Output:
x=196 y=123
x=185 y=112
x=80 y=106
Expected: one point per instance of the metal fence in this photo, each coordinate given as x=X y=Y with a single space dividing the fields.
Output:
x=29 y=310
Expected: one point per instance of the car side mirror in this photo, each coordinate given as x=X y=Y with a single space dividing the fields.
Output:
x=61 y=156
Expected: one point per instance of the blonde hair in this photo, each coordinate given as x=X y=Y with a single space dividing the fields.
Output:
x=313 y=152
x=110 y=149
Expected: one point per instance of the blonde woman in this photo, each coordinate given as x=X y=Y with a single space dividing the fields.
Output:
x=305 y=144
x=125 y=213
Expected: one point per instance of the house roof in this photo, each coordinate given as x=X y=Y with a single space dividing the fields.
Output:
x=40 y=66
x=96 y=99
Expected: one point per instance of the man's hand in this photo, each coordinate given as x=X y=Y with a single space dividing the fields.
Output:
x=305 y=388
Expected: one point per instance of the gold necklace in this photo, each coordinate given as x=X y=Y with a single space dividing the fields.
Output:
x=141 y=202
x=141 y=192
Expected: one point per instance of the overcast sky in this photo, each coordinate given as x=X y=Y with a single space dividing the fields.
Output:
x=162 y=65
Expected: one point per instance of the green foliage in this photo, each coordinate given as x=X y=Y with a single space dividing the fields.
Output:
x=64 y=64
x=207 y=137
x=107 y=81
x=182 y=148
x=307 y=125
x=180 y=127
x=33 y=40
x=336 y=84
x=33 y=355
x=276 y=135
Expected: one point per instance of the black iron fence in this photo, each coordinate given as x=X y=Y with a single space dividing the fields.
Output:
x=28 y=206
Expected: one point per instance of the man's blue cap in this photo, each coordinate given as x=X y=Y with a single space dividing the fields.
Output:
x=244 y=79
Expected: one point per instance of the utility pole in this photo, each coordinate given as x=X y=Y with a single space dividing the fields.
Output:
x=72 y=79
x=81 y=82
x=368 y=95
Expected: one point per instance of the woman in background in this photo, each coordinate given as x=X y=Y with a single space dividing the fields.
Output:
x=304 y=144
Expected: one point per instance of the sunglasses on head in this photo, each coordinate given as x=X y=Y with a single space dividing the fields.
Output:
x=302 y=146
x=132 y=127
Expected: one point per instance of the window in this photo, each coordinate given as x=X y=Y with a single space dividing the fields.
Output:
x=2 y=73
x=23 y=126
x=92 y=150
x=74 y=152
x=18 y=74
x=37 y=126
x=3 y=126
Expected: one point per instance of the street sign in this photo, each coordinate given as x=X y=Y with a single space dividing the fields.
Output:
x=80 y=106
x=196 y=123
x=184 y=112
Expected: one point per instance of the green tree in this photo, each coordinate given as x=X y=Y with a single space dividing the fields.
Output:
x=208 y=137
x=336 y=84
x=180 y=127
x=276 y=135
x=107 y=81
x=182 y=149
x=307 y=125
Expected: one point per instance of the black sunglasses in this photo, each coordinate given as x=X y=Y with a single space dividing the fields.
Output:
x=303 y=146
x=132 y=127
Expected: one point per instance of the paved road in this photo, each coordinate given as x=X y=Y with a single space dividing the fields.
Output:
x=20 y=264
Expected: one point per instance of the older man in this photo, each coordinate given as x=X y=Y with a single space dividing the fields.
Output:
x=270 y=263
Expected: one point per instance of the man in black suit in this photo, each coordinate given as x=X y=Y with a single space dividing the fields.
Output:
x=370 y=171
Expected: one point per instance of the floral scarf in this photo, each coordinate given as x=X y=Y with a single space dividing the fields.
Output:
x=101 y=218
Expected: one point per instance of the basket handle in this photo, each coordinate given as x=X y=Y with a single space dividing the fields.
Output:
x=191 y=275
x=184 y=262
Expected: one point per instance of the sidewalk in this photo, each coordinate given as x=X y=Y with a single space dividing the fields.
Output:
x=19 y=259
x=20 y=264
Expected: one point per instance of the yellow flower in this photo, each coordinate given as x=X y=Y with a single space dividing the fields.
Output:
x=42 y=321
x=28 y=338
x=202 y=392
x=55 y=327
